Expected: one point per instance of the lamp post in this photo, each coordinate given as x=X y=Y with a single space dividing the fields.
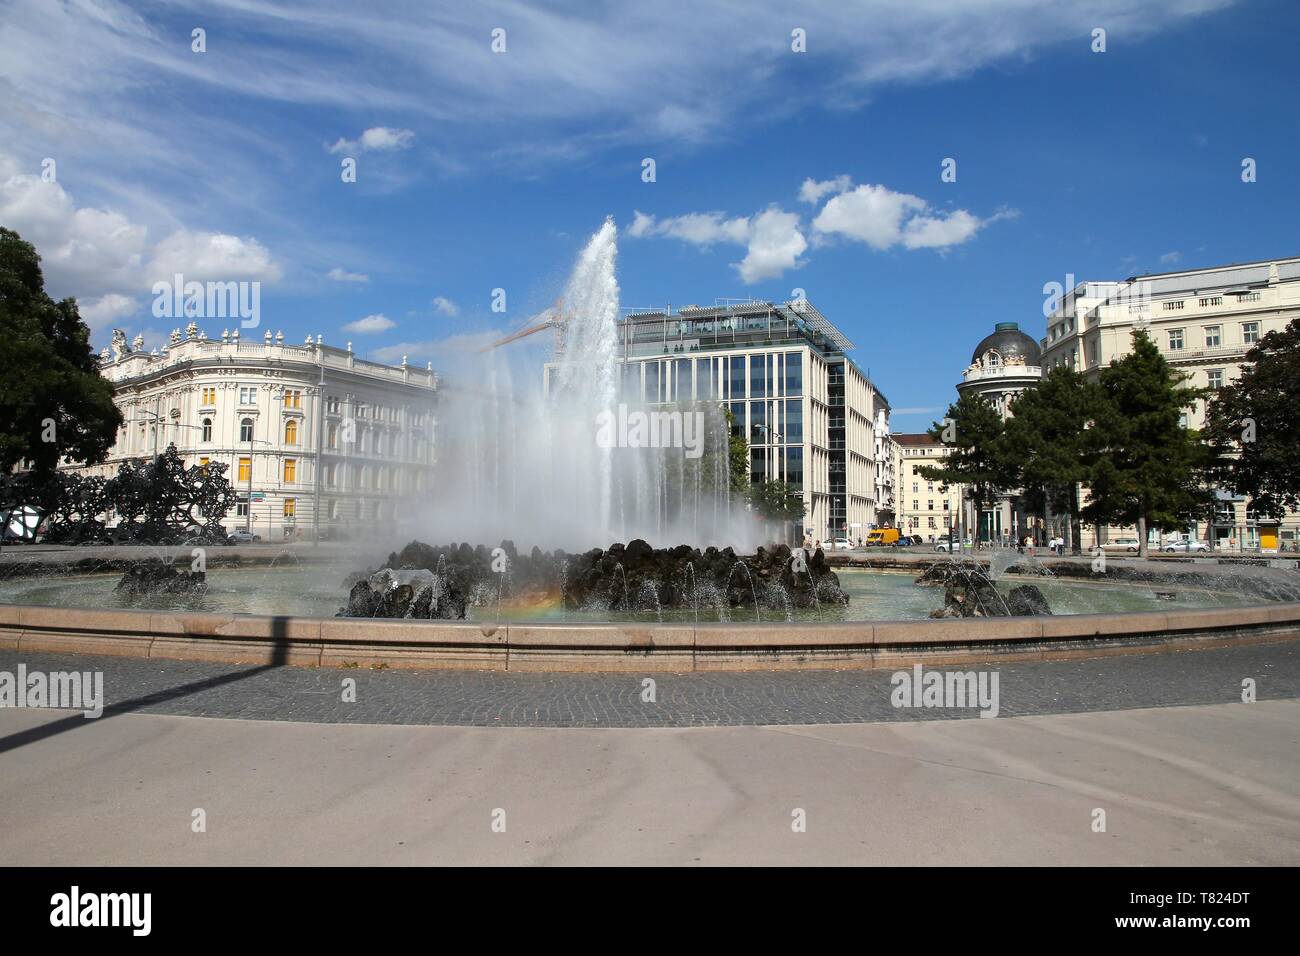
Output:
x=248 y=517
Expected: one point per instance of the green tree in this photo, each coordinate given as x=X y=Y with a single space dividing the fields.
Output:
x=738 y=451
x=1149 y=470
x=974 y=434
x=1251 y=425
x=1049 y=445
x=53 y=402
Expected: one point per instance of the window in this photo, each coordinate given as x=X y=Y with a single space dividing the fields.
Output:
x=332 y=404
x=1175 y=340
x=291 y=432
x=758 y=376
x=290 y=507
x=1213 y=336
x=1172 y=306
x=736 y=377
x=209 y=396
x=793 y=373
x=246 y=430
x=292 y=398
x=1211 y=300
x=207 y=429
x=241 y=508
x=1250 y=332
x=1214 y=378
x=931 y=523
x=203 y=463
x=333 y=439
x=248 y=395
x=945 y=504
x=916 y=505
x=245 y=469
x=290 y=469
x=929 y=505
x=916 y=486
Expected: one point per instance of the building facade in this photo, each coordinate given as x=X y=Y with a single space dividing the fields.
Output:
x=809 y=413
x=924 y=507
x=295 y=424
x=1204 y=321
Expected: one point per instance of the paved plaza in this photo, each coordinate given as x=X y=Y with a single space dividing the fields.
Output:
x=427 y=767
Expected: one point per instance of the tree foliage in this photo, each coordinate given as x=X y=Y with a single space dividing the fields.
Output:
x=54 y=404
x=1251 y=426
x=1049 y=444
x=1149 y=469
x=974 y=435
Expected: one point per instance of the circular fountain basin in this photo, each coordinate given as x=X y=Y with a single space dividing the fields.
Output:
x=285 y=616
x=315 y=590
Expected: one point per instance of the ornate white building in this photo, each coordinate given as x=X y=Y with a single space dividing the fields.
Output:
x=311 y=433
x=1003 y=365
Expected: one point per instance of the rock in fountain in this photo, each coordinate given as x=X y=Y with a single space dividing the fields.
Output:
x=423 y=581
x=147 y=578
x=969 y=592
x=417 y=593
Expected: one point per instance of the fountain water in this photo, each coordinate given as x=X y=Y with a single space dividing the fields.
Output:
x=514 y=464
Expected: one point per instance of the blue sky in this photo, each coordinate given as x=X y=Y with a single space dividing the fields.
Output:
x=487 y=170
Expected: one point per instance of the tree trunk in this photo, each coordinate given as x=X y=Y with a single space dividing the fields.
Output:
x=1142 y=534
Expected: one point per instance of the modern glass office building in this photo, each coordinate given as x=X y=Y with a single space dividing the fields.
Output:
x=808 y=412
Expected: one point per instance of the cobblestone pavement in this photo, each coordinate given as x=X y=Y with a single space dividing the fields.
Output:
x=469 y=698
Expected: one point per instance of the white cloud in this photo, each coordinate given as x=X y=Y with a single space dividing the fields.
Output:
x=376 y=139
x=104 y=259
x=884 y=219
x=341 y=275
x=870 y=214
x=202 y=256
x=1169 y=258
x=444 y=306
x=775 y=245
x=697 y=228
x=370 y=325
x=773 y=239
x=812 y=191
x=98 y=313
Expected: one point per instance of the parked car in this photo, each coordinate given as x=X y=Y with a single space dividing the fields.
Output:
x=242 y=536
x=943 y=544
x=1128 y=545
x=1187 y=545
x=841 y=544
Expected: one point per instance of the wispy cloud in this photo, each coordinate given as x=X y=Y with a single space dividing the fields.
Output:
x=342 y=275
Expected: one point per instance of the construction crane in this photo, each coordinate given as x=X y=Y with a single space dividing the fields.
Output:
x=556 y=320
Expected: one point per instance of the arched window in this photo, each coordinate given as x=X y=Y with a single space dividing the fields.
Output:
x=291 y=432
x=246 y=430
x=207 y=429
x=992 y=359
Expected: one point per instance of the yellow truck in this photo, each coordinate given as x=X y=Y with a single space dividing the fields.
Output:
x=882 y=536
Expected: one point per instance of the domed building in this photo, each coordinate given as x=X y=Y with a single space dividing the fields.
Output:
x=1003 y=365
